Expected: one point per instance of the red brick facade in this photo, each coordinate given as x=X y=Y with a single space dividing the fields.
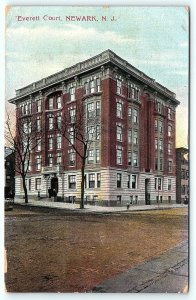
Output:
x=136 y=113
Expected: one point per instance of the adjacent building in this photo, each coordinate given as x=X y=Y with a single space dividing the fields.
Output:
x=132 y=159
x=9 y=161
x=182 y=175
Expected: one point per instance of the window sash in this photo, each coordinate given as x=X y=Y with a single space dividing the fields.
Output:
x=119 y=156
x=119 y=133
x=119 y=110
x=59 y=102
x=72 y=93
x=51 y=103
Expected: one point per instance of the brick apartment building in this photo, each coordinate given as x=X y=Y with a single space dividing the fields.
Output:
x=132 y=159
x=182 y=175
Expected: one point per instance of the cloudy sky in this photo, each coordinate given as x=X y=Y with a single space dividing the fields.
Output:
x=153 y=39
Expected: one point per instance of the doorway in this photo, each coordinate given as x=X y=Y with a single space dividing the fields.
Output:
x=54 y=186
x=147 y=191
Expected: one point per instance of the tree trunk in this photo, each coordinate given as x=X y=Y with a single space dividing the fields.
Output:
x=82 y=185
x=25 y=189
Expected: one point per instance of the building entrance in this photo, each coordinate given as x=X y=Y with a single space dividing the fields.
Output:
x=54 y=186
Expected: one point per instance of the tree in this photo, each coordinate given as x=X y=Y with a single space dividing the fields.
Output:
x=80 y=127
x=21 y=135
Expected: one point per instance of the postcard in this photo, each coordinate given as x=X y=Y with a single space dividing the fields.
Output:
x=97 y=149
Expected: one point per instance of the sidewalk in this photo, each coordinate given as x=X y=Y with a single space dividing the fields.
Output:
x=167 y=273
x=91 y=208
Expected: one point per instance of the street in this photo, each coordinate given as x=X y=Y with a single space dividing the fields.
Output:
x=69 y=252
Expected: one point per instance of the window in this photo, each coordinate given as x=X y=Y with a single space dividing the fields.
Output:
x=160 y=126
x=131 y=199
x=135 y=159
x=136 y=199
x=98 y=180
x=135 y=116
x=170 y=166
x=27 y=127
x=135 y=93
x=50 y=160
x=26 y=162
x=128 y=181
x=133 y=181
x=97 y=132
x=72 y=93
x=169 y=114
x=169 y=185
x=156 y=144
x=92 y=86
x=91 y=178
x=39 y=145
x=119 y=107
x=51 y=123
x=129 y=90
x=119 y=133
x=59 y=141
x=72 y=158
x=59 y=102
x=169 y=130
x=50 y=143
x=59 y=122
x=72 y=115
x=135 y=137
x=98 y=108
x=129 y=136
x=98 y=84
x=86 y=87
x=129 y=112
x=38 y=124
x=91 y=133
x=169 y=148
x=90 y=156
x=161 y=145
x=97 y=156
x=72 y=181
x=119 y=155
x=38 y=162
x=129 y=158
x=119 y=86
x=59 y=159
x=29 y=184
x=51 y=103
x=119 y=179
x=156 y=125
x=71 y=136
x=27 y=109
x=158 y=183
x=90 y=110
x=38 y=184
x=159 y=107
x=39 y=106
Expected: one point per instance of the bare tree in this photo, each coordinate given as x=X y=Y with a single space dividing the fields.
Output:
x=22 y=136
x=80 y=129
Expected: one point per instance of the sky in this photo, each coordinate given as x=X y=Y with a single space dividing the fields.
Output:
x=153 y=39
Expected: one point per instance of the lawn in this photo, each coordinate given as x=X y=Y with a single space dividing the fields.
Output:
x=75 y=252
